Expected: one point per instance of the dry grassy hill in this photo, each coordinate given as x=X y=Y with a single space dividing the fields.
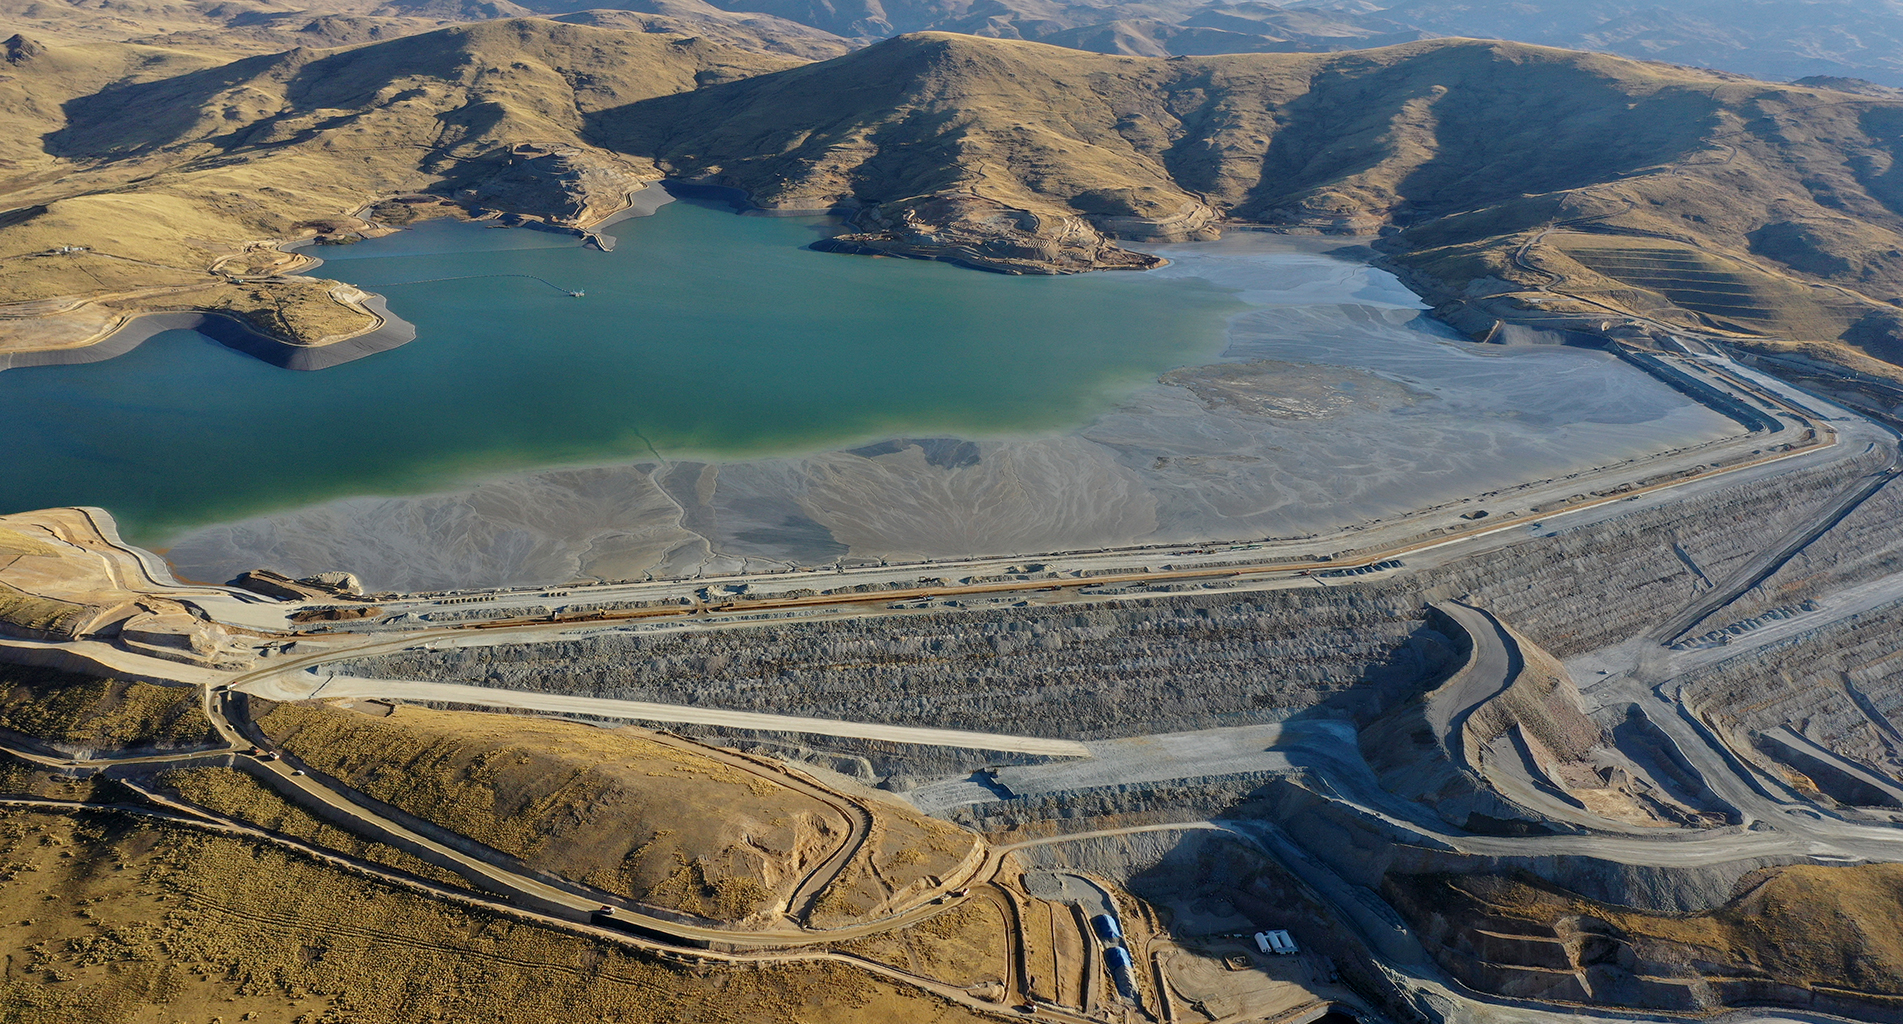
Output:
x=121 y=918
x=1515 y=182
x=1804 y=935
x=171 y=182
x=79 y=713
x=666 y=824
x=112 y=920
x=224 y=28
x=1472 y=150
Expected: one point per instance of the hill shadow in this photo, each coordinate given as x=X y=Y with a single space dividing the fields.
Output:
x=1468 y=126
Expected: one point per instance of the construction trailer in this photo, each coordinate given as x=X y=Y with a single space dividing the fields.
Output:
x=1278 y=942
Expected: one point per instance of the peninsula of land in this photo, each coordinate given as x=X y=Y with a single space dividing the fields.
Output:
x=1512 y=184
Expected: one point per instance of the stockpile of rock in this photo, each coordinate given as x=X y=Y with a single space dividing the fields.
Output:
x=1868 y=544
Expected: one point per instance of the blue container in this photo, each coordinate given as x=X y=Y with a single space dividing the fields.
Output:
x=1120 y=971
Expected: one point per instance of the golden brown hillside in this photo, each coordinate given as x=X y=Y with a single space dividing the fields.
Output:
x=229 y=160
x=233 y=27
x=1785 y=933
x=664 y=822
x=1535 y=185
x=1524 y=182
x=124 y=921
x=70 y=712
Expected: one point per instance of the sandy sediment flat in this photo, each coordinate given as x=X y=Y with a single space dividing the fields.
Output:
x=1319 y=416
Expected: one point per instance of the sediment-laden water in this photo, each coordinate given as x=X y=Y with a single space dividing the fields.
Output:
x=702 y=333
x=724 y=398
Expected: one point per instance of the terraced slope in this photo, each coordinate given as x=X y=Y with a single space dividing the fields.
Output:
x=1819 y=936
x=1682 y=276
x=1727 y=294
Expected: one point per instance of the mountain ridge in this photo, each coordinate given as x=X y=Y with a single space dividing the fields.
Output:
x=1511 y=182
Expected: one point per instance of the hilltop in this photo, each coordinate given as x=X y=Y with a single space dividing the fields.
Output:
x=669 y=825
x=1518 y=183
x=296 y=145
x=1688 y=200
x=218 y=898
x=1769 y=39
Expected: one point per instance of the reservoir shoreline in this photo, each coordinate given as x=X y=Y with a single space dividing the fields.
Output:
x=711 y=333
x=1329 y=402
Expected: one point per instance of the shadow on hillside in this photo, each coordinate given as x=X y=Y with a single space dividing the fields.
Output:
x=1459 y=128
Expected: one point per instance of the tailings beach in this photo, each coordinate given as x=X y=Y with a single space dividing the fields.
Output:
x=725 y=400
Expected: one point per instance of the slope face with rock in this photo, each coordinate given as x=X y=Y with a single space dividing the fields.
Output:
x=1525 y=938
x=1517 y=183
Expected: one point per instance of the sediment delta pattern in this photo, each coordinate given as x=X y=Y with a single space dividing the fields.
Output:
x=1334 y=403
x=1163 y=663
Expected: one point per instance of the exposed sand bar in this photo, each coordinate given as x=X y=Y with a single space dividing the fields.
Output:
x=640 y=204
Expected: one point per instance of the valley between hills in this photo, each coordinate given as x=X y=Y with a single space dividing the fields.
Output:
x=1084 y=727
x=1511 y=185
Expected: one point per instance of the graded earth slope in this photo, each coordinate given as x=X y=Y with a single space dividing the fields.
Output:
x=1821 y=936
x=69 y=577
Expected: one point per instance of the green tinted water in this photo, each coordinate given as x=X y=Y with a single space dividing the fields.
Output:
x=703 y=333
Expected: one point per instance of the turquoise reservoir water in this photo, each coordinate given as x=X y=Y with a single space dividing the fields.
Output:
x=703 y=333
